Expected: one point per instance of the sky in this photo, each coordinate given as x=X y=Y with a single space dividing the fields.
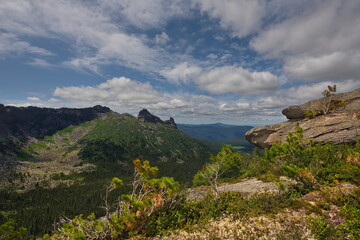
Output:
x=200 y=61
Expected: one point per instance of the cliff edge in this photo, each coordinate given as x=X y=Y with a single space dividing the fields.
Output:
x=341 y=124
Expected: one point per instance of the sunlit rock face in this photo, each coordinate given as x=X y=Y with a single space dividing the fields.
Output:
x=341 y=125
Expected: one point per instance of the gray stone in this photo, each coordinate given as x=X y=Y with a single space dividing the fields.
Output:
x=145 y=116
x=335 y=127
x=352 y=100
x=293 y=112
x=341 y=125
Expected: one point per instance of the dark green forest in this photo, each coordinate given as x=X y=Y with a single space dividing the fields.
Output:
x=146 y=205
x=110 y=145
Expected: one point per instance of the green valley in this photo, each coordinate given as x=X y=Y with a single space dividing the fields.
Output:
x=65 y=174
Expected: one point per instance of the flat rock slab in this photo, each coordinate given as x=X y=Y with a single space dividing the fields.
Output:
x=248 y=187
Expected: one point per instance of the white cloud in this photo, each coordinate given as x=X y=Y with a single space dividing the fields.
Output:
x=162 y=38
x=125 y=89
x=235 y=107
x=182 y=72
x=318 y=40
x=126 y=95
x=117 y=92
x=301 y=94
x=232 y=79
x=149 y=13
x=212 y=56
x=10 y=44
x=93 y=34
x=37 y=62
x=83 y=93
x=34 y=99
x=334 y=22
x=334 y=66
x=54 y=100
x=242 y=17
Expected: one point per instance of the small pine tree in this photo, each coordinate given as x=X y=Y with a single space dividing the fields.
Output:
x=328 y=93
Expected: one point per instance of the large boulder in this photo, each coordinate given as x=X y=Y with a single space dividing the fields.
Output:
x=342 y=125
x=351 y=102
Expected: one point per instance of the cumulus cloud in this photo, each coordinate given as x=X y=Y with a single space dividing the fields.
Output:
x=96 y=38
x=242 y=17
x=319 y=41
x=232 y=79
x=182 y=72
x=117 y=89
x=333 y=22
x=234 y=107
x=334 y=66
x=127 y=95
x=301 y=94
x=54 y=100
x=130 y=95
x=34 y=99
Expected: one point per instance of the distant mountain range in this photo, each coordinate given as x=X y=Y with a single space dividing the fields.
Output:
x=215 y=131
x=216 y=134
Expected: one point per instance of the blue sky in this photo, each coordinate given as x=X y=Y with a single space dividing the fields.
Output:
x=199 y=61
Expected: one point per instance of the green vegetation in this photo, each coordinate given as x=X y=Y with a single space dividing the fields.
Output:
x=31 y=148
x=154 y=206
x=328 y=105
x=8 y=231
x=38 y=209
x=110 y=144
x=148 y=193
x=118 y=198
x=349 y=228
x=125 y=138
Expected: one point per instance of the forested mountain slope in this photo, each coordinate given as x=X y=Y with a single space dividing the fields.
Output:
x=69 y=170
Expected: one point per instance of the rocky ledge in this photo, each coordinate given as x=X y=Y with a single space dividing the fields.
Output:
x=340 y=125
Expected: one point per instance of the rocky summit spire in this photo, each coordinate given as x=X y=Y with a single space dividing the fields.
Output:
x=145 y=116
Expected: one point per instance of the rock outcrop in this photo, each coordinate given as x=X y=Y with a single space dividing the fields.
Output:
x=341 y=125
x=248 y=187
x=351 y=102
x=145 y=116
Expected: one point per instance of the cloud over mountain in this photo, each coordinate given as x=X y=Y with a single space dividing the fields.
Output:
x=231 y=59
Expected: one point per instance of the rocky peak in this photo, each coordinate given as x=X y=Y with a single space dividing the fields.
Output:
x=171 y=122
x=145 y=116
x=341 y=125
